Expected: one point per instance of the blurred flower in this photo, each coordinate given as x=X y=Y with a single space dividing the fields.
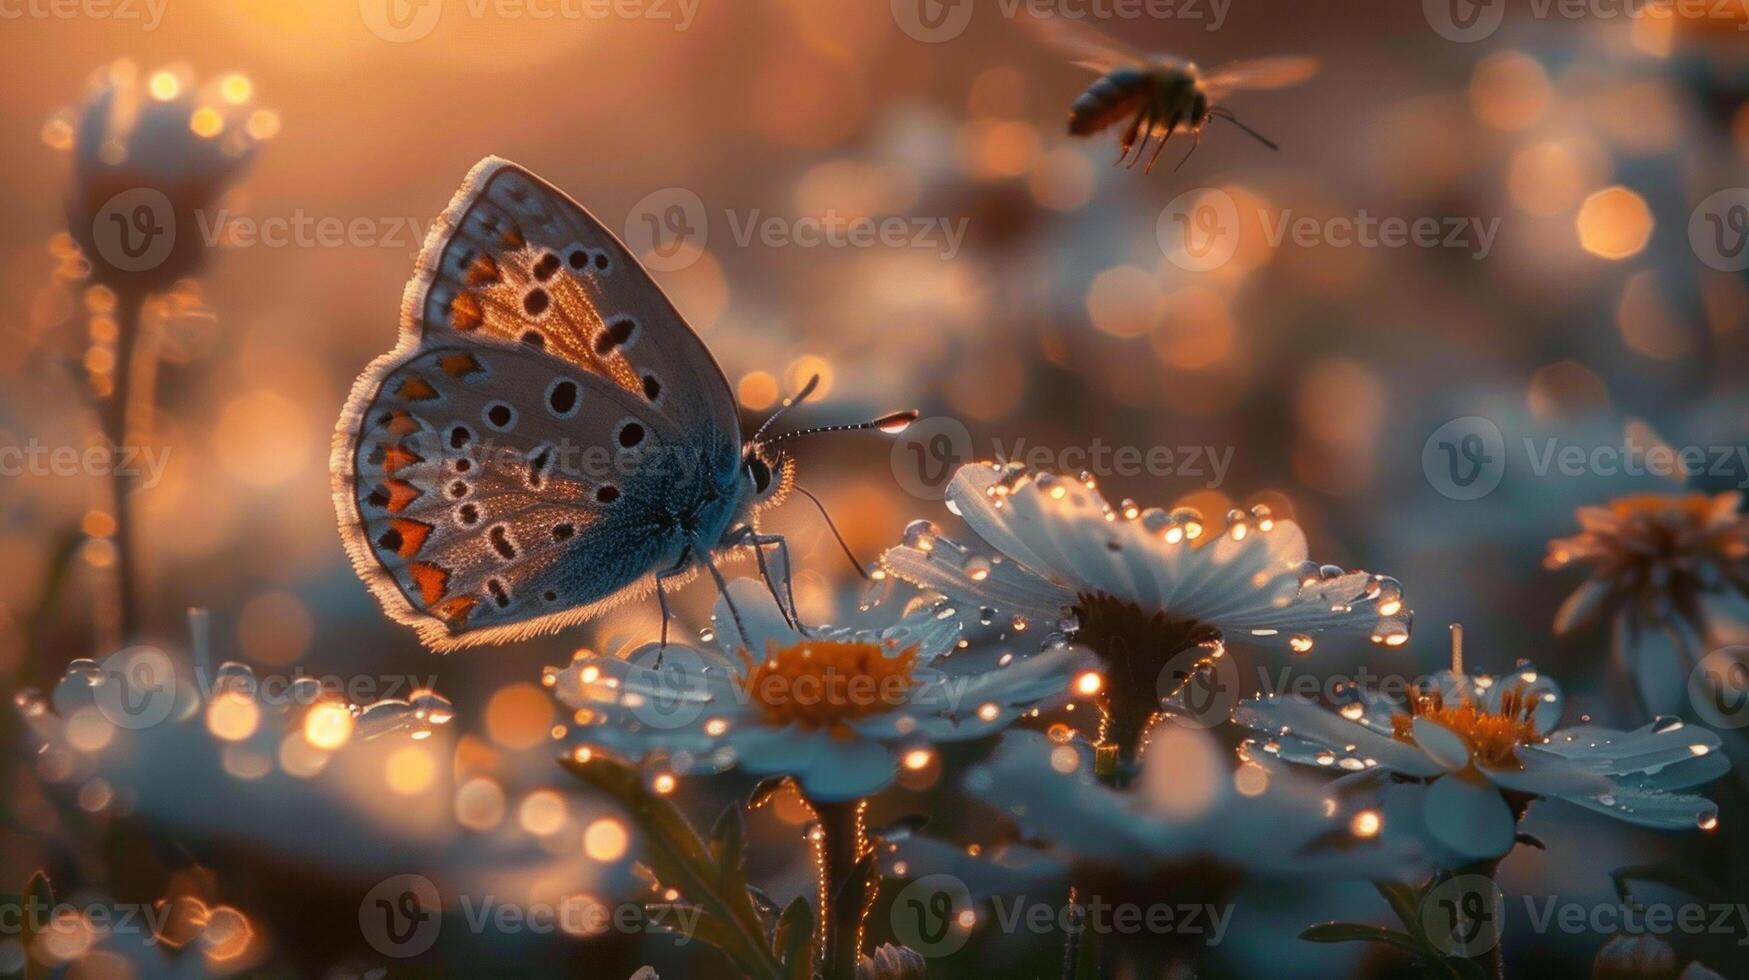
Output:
x=891 y=962
x=1483 y=748
x=1189 y=810
x=1655 y=556
x=1662 y=566
x=1635 y=956
x=835 y=708
x=151 y=152
x=1193 y=826
x=1137 y=586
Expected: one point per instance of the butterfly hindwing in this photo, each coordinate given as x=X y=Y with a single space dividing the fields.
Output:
x=515 y=259
x=479 y=513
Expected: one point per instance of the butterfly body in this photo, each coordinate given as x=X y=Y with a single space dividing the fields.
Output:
x=549 y=438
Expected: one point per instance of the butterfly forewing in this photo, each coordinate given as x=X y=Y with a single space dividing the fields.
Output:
x=545 y=435
x=522 y=262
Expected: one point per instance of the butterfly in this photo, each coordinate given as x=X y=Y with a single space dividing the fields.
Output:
x=549 y=437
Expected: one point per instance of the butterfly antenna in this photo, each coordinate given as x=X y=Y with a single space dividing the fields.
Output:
x=854 y=562
x=892 y=423
x=1227 y=114
x=788 y=403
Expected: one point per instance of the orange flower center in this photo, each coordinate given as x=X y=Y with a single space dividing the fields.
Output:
x=825 y=684
x=1493 y=737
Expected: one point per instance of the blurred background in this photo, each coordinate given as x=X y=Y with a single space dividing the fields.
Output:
x=1581 y=288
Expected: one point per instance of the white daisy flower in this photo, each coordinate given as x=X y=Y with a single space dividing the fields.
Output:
x=1190 y=810
x=1483 y=748
x=1137 y=586
x=838 y=709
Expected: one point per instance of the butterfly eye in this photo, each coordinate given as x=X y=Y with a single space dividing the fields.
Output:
x=760 y=474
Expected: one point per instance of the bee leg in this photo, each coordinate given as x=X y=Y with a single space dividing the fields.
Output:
x=1137 y=125
x=1162 y=144
x=1197 y=133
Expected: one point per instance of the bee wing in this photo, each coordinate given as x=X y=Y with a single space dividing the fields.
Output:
x=1259 y=73
x=1082 y=45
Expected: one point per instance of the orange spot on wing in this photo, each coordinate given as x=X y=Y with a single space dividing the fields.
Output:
x=456 y=609
x=459 y=365
x=512 y=237
x=401 y=493
x=413 y=534
x=399 y=423
x=397 y=457
x=465 y=313
x=431 y=580
x=482 y=271
x=416 y=389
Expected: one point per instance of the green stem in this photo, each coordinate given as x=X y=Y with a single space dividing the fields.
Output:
x=842 y=899
x=129 y=318
x=1493 y=961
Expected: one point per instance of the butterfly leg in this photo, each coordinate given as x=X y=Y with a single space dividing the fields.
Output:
x=662 y=596
x=723 y=590
x=760 y=541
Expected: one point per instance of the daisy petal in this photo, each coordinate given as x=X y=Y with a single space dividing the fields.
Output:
x=1468 y=818
x=1277 y=716
x=1445 y=746
x=1546 y=774
x=1653 y=808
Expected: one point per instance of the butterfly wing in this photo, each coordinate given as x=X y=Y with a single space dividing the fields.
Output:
x=514 y=259
x=514 y=466
x=1081 y=44
x=480 y=515
x=1257 y=74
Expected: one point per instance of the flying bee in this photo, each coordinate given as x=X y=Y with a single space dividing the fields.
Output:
x=1157 y=93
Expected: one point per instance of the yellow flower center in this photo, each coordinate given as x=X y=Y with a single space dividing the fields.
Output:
x=826 y=684
x=1493 y=737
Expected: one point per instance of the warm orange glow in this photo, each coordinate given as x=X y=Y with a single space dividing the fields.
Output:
x=824 y=684
x=1614 y=223
x=328 y=725
x=233 y=717
x=606 y=840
